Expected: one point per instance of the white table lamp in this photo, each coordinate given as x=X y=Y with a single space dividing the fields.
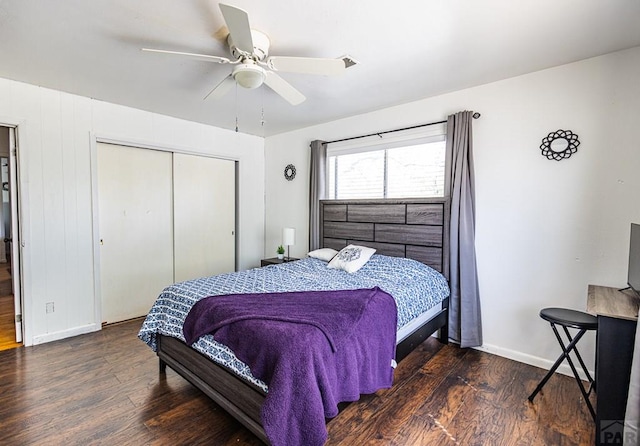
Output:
x=288 y=238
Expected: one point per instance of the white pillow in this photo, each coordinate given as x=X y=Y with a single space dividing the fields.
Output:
x=351 y=258
x=324 y=254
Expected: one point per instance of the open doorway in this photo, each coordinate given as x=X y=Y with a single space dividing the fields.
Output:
x=10 y=299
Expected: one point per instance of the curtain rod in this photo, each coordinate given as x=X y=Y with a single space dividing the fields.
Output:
x=476 y=115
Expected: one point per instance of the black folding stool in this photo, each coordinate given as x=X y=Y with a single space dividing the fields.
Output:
x=569 y=319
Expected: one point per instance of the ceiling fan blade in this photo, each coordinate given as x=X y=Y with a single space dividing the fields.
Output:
x=237 y=21
x=307 y=65
x=283 y=88
x=222 y=88
x=205 y=57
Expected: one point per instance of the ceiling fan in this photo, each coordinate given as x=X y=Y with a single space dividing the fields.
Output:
x=253 y=65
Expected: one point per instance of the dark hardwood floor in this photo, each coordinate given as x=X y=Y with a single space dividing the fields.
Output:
x=7 y=313
x=104 y=388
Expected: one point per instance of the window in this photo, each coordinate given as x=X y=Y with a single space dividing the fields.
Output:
x=413 y=168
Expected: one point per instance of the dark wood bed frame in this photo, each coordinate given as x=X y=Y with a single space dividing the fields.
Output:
x=416 y=229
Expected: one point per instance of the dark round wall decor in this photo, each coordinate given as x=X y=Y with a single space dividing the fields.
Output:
x=559 y=145
x=290 y=172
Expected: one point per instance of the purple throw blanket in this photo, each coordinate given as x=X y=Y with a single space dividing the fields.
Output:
x=314 y=349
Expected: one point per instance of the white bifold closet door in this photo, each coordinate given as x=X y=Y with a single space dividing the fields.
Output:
x=163 y=218
x=204 y=216
x=136 y=229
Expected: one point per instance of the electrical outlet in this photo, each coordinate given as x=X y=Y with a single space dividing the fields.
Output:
x=50 y=307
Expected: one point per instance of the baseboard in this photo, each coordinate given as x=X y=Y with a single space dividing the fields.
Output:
x=57 y=335
x=532 y=360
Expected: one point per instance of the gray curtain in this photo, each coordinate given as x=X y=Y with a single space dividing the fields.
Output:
x=465 y=325
x=316 y=190
x=632 y=415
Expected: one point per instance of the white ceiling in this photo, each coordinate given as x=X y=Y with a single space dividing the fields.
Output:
x=407 y=50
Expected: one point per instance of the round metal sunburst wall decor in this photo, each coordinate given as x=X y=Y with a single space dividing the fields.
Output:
x=559 y=145
x=290 y=172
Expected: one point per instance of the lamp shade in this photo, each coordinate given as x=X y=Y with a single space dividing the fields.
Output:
x=288 y=236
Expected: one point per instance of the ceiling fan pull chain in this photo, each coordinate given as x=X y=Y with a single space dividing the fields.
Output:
x=262 y=110
x=236 y=108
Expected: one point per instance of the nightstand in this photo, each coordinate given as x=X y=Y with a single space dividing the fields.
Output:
x=276 y=261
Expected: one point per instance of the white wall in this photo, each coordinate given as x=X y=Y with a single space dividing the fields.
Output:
x=545 y=229
x=55 y=132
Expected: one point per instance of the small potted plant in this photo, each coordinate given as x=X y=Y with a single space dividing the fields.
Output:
x=280 y=252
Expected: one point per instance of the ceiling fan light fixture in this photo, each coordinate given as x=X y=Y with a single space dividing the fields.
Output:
x=249 y=75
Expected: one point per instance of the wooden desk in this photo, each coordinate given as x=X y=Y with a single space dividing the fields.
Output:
x=617 y=313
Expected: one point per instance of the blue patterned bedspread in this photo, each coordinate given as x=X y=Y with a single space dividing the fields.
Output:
x=415 y=287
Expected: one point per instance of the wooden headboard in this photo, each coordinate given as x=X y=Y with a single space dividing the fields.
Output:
x=414 y=228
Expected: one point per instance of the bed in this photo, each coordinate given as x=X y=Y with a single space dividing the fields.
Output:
x=398 y=230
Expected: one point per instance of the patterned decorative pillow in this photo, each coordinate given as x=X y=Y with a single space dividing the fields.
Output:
x=351 y=258
x=325 y=254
